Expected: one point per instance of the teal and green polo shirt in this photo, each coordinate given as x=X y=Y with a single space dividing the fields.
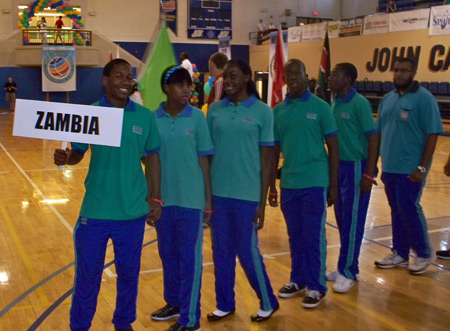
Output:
x=354 y=119
x=300 y=127
x=116 y=187
x=238 y=132
x=183 y=139
x=405 y=122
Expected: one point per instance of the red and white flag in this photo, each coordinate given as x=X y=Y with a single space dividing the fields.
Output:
x=278 y=72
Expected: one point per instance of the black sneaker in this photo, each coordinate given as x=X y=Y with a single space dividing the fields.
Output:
x=165 y=313
x=290 y=290
x=179 y=327
x=313 y=299
x=126 y=329
x=443 y=254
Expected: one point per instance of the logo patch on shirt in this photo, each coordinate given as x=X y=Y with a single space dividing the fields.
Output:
x=83 y=220
x=345 y=115
x=190 y=132
x=137 y=129
x=249 y=120
x=404 y=115
x=311 y=116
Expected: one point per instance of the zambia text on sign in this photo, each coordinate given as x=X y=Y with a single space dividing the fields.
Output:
x=68 y=122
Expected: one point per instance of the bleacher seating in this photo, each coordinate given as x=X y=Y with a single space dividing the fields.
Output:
x=433 y=87
x=387 y=86
x=443 y=88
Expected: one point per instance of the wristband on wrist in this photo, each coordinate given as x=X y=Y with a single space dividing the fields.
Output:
x=209 y=211
x=158 y=201
x=371 y=179
x=273 y=194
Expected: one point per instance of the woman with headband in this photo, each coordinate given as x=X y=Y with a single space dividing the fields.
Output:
x=186 y=199
x=241 y=126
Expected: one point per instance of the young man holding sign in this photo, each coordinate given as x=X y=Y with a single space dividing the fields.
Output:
x=114 y=206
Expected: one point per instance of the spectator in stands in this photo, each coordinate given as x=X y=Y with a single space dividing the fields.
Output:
x=271 y=26
x=409 y=123
x=391 y=7
x=59 y=24
x=261 y=29
x=358 y=153
x=42 y=26
x=261 y=26
x=185 y=63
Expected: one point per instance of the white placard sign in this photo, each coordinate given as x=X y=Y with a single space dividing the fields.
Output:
x=409 y=20
x=68 y=122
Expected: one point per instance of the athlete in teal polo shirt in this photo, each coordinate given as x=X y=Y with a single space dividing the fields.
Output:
x=186 y=192
x=303 y=124
x=114 y=206
x=409 y=123
x=358 y=152
x=241 y=127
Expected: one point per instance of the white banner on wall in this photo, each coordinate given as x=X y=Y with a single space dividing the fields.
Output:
x=333 y=29
x=58 y=68
x=374 y=24
x=295 y=34
x=409 y=20
x=68 y=122
x=314 y=32
x=273 y=44
x=440 y=20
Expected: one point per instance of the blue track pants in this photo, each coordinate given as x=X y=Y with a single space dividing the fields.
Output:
x=409 y=226
x=351 y=211
x=180 y=240
x=305 y=213
x=90 y=238
x=234 y=233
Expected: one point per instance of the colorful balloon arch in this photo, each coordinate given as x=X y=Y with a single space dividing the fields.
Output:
x=61 y=7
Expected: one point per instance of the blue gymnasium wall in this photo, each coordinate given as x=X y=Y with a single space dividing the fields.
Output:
x=198 y=53
x=28 y=79
x=89 y=88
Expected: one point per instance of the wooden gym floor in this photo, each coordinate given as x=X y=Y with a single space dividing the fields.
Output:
x=39 y=206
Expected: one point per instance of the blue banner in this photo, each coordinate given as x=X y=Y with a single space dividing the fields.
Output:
x=168 y=10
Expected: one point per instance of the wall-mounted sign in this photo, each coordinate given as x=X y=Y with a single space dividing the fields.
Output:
x=209 y=19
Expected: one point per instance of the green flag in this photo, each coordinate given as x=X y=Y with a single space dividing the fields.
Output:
x=161 y=57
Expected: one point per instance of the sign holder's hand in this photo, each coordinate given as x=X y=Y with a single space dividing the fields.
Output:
x=63 y=147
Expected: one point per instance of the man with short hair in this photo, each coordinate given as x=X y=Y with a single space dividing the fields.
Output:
x=358 y=153
x=185 y=63
x=11 y=88
x=303 y=124
x=409 y=123
x=114 y=206
x=216 y=64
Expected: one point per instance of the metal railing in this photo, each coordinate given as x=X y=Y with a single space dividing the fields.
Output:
x=52 y=36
